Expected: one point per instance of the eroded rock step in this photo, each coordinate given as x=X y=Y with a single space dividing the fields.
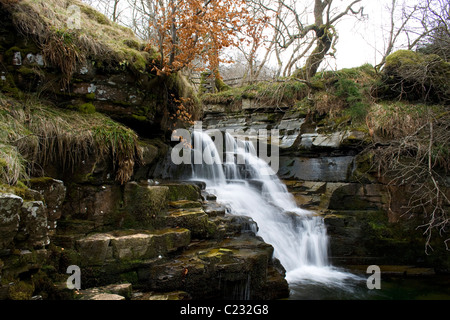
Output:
x=97 y=249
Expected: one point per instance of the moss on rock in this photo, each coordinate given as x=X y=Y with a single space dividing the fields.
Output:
x=144 y=203
x=183 y=192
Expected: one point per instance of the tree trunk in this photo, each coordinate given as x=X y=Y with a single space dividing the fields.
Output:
x=324 y=42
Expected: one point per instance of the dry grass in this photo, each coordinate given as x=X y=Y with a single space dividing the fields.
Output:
x=99 y=38
x=34 y=135
x=396 y=119
x=415 y=153
x=326 y=103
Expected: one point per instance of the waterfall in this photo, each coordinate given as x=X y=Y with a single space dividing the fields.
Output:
x=249 y=187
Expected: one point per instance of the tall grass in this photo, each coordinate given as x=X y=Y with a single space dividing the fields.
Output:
x=34 y=135
x=46 y=22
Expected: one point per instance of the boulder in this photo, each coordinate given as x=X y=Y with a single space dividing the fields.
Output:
x=236 y=268
x=10 y=210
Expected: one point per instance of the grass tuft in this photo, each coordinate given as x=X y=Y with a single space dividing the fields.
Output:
x=33 y=135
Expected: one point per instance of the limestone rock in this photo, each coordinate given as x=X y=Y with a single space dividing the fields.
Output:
x=107 y=296
x=230 y=269
x=131 y=247
x=144 y=203
x=110 y=292
x=33 y=229
x=94 y=203
x=102 y=248
x=194 y=219
x=356 y=196
x=327 y=169
x=95 y=249
x=333 y=140
x=54 y=193
x=10 y=209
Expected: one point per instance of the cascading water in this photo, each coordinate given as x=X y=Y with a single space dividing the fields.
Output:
x=249 y=187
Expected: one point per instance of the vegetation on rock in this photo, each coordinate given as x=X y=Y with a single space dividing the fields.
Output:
x=34 y=134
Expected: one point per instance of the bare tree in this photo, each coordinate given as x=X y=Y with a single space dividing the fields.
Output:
x=436 y=17
x=311 y=42
x=110 y=8
x=423 y=22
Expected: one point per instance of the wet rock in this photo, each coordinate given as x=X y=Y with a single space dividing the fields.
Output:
x=214 y=209
x=194 y=219
x=10 y=209
x=184 y=191
x=230 y=269
x=327 y=169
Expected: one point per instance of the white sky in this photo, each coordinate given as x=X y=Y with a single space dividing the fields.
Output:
x=358 y=40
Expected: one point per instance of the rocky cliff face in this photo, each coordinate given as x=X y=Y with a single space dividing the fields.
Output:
x=156 y=239
x=327 y=173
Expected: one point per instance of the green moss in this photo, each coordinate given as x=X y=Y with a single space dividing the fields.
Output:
x=183 y=192
x=86 y=108
x=139 y=118
x=21 y=190
x=137 y=60
x=352 y=92
x=3 y=163
x=403 y=58
x=27 y=71
x=9 y=87
x=416 y=77
x=95 y=15
x=221 y=85
x=21 y=291
x=133 y=44
x=90 y=96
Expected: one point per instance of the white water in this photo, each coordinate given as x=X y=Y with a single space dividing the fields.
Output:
x=252 y=189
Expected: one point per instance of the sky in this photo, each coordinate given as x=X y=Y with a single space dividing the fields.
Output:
x=359 y=40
